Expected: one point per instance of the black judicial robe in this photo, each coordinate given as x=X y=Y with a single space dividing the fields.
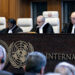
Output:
x=47 y=29
x=15 y=30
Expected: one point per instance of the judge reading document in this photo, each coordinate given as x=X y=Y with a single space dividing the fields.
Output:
x=70 y=27
x=12 y=27
x=42 y=27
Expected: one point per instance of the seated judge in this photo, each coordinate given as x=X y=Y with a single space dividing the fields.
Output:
x=70 y=27
x=42 y=27
x=12 y=27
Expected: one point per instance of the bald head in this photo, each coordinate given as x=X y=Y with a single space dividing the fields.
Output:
x=40 y=20
x=73 y=14
x=73 y=18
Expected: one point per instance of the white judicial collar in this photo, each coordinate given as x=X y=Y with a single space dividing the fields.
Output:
x=73 y=29
x=41 y=28
x=10 y=30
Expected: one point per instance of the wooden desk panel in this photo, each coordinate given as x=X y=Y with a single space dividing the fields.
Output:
x=57 y=48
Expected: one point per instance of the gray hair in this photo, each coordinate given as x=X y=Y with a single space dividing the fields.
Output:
x=41 y=17
x=35 y=61
x=67 y=68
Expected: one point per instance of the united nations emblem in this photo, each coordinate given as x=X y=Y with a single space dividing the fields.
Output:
x=18 y=52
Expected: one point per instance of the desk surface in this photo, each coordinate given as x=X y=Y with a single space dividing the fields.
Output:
x=57 y=48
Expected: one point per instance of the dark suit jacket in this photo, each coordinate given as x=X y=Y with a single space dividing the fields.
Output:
x=15 y=30
x=67 y=28
x=5 y=73
x=47 y=29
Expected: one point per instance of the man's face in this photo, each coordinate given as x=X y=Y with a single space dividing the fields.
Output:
x=10 y=25
x=73 y=20
x=40 y=22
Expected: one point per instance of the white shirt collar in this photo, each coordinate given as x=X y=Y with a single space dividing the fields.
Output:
x=41 y=28
x=10 y=30
x=43 y=25
x=74 y=25
x=73 y=29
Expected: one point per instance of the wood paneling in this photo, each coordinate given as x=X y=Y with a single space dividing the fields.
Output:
x=25 y=8
x=22 y=8
x=4 y=8
x=14 y=9
x=19 y=9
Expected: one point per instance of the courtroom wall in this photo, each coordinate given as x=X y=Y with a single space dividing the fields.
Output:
x=22 y=8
